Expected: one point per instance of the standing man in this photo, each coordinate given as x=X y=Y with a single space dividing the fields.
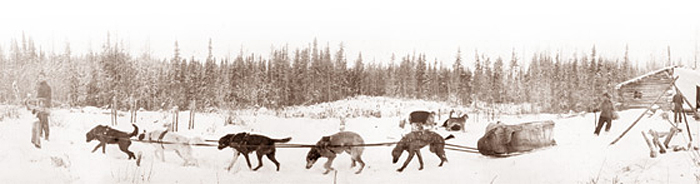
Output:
x=44 y=96
x=606 y=114
x=677 y=107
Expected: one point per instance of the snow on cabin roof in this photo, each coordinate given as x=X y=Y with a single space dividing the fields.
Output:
x=618 y=86
x=687 y=81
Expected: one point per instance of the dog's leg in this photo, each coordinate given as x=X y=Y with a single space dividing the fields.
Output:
x=362 y=163
x=124 y=146
x=441 y=154
x=177 y=151
x=328 y=164
x=157 y=153
x=186 y=155
x=131 y=154
x=96 y=147
x=259 y=155
x=104 y=145
x=190 y=157
x=410 y=156
x=235 y=157
x=420 y=159
x=162 y=154
x=247 y=160
x=272 y=158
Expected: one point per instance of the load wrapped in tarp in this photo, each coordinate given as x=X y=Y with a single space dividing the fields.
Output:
x=501 y=139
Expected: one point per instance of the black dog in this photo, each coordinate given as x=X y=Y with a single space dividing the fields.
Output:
x=107 y=135
x=455 y=124
x=246 y=143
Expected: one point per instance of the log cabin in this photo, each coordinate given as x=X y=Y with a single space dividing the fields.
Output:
x=641 y=91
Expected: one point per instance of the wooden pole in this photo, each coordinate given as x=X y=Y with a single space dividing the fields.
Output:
x=652 y=151
x=684 y=99
x=595 y=120
x=672 y=132
x=655 y=136
x=671 y=123
x=136 y=110
x=114 y=111
x=131 y=109
x=176 y=110
x=687 y=127
x=645 y=112
x=193 y=107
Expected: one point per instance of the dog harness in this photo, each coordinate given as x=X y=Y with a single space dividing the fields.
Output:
x=245 y=138
x=160 y=139
x=326 y=143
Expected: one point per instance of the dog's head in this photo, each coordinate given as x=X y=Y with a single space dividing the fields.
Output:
x=142 y=135
x=396 y=153
x=312 y=157
x=225 y=141
x=95 y=132
x=315 y=152
x=431 y=118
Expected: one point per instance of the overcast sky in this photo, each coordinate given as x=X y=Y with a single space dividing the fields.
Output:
x=375 y=28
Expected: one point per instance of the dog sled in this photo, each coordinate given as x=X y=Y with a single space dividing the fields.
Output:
x=505 y=140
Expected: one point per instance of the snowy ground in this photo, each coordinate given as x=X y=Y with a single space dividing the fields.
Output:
x=579 y=156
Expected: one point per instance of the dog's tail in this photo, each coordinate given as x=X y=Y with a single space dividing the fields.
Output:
x=449 y=137
x=282 y=140
x=136 y=130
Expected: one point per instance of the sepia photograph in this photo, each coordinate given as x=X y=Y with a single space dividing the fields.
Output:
x=344 y=92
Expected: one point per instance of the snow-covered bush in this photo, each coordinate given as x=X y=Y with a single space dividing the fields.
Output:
x=9 y=112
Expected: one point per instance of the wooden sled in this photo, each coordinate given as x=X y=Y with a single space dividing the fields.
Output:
x=504 y=140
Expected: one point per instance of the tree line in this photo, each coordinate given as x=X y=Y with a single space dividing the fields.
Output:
x=308 y=75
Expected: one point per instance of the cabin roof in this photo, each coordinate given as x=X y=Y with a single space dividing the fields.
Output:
x=638 y=78
x=687 y=82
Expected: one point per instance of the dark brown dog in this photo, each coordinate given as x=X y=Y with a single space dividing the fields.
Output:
x=246 y=143
x=107 y=135
x=455 y=124
x=419 y=120
x=414 y=141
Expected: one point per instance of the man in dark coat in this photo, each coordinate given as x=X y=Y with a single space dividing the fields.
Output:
x=677 y=107
x=606 y=114
x=44 y=96
x=44 y=91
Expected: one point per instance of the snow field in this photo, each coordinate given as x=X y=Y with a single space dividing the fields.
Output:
x=579 y=157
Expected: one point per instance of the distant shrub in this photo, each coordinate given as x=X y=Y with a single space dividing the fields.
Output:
x=9 y=112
